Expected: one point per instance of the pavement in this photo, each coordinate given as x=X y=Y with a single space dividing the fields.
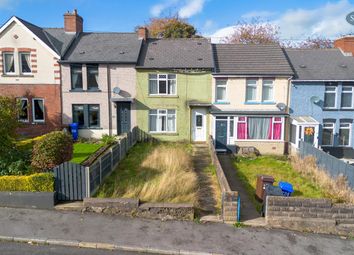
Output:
x=12 y=248
x=153 y=236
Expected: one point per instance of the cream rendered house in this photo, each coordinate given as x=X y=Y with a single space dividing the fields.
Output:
x=250 y=98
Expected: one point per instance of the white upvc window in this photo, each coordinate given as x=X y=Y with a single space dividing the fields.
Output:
x=25 y=62
x=330 y=97
x=38 y=110
x=162 y=84
x=345 y=134
x=162 y=121
x=347 y=97
x=23 y=115
x=268 y=90
x=327 y=134
x=251 y=90
x=9 y=62
x=221 y=90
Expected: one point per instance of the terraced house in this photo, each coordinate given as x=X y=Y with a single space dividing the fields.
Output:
x=322 y=104
x=174 y=89
x=30 y=71
x=250 y=95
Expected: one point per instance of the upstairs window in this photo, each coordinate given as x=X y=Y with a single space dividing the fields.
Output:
x=251 y=90
x=268 y=91
x=25 y=63
x=38 y=109
x=330 y=97
x=221 y=90
x=162 y=84
x=347 y=97
x=23 y=112
x=76 y=76
x=92 y=77
x=9 y=63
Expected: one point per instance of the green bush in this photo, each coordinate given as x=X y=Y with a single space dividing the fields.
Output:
x=108 y=139
x=36 y=182
x=55 y=148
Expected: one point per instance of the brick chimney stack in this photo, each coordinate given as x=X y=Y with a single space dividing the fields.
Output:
x=346 y=44
x=142 y=33
x=73 y=22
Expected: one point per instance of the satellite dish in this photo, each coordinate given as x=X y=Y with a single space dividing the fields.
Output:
x=281 y=106
x=116 y=90
x=315 y=99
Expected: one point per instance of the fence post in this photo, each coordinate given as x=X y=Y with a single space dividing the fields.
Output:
x=111 y=152
x=100 y=169
x=87 y=175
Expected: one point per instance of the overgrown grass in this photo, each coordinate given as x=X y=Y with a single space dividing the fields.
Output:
x=210 y=172
x=280 y=168
x=155 y=173
x=84 y=150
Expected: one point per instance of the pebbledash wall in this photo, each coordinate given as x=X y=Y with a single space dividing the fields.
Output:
x=190 y=87
x=43 y=82
x=110 y=76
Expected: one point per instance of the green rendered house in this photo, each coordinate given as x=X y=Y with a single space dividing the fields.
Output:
x=174 y=89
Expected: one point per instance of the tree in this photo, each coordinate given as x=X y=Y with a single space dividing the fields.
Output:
x=170 y=27
x=316 y=43
x=255 y=32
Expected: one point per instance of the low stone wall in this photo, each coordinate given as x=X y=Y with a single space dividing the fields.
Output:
x=20 y=199
x=133 y=208
x=264 y=147
x=307 y=214
x=229 y=199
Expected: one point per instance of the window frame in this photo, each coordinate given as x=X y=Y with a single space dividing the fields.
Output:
x=33 y=110
x=86 y=112
x=158 y=129
x=254 y=86
x=220 y=86
x=4 y=62
x=350 y=133
x=347 y=92
x=335 y=92
x=20 y=62
x=20 y=99
x=333 y=129
x=269 y=86
x=158 y=79
x=72 y=116
x=71 y=77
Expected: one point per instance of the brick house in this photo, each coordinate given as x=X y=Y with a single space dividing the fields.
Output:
x=30 y=71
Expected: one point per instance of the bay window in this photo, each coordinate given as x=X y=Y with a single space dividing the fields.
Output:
x=330 y=96
x=260 y=128
x=92 y=76
x=268 y=90
x=251 y=90
x=162 y=84
x=327 y=134
x=347 y=97
x=76 y=76
x=162 y=120
x=344 y=134
x=9 y=62
x=25 y=63
x=38 y=109
x=221 y=90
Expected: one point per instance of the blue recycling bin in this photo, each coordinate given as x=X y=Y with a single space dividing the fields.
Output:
x=287 y=188
x=74 y=129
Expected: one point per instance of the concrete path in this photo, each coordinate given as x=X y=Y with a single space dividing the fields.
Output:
x=169 y=236
x=248 y=210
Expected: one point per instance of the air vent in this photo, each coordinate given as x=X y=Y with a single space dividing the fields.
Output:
x=343 y=66
x=151 y=58
x=302 y=66
x=200 y=59
x=82 y=52
x=154 y=43
x=199 y=43
x=121 y=52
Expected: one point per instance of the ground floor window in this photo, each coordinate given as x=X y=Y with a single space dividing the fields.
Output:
x=344 y=134
x=327 y=134
x=162 y=120
x=260 y=128
x=38 y=109
x=86 y=115
x=23 y=111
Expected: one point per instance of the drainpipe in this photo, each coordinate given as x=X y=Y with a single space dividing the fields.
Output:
x=109 y=99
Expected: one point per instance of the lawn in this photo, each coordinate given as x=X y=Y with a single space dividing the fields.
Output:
x=154 y=172
x=247 y=170
x=84 y=150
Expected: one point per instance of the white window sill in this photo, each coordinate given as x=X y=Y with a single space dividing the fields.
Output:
x=163 y=95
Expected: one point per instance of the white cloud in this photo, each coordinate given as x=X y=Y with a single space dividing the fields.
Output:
x=5 y=4
x=327 y=20
x=191 y=8
x=158 y=9
x=258 y=14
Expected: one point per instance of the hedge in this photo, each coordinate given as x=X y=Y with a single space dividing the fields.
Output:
x=36 y=182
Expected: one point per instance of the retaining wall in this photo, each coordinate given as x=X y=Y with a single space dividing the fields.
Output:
x=20 y=199
x=308 y=214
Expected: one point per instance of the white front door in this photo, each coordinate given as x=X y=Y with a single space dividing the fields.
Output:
x=199 y=125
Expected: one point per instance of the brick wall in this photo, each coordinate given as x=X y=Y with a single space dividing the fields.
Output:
x=346 y=44
x=308 y=214
x=52 y=103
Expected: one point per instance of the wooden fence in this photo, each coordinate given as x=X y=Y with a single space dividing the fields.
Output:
x=76 y=182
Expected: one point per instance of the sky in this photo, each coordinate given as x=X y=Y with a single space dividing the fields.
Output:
x=297 y=19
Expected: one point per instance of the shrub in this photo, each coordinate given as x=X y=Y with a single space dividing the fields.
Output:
x=54 y=149
x=43 y=182
x=108 y=139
